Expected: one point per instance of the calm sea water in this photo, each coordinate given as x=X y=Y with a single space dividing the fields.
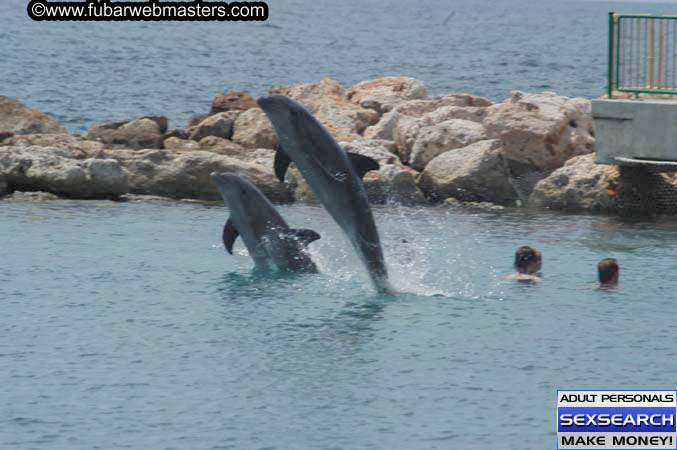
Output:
x=84 y=73
x=128 y=326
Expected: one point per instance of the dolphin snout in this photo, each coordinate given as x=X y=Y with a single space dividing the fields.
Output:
x=223 y=177
x=275 y=102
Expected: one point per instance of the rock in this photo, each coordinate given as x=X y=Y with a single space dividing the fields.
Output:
x=195 y=119
x=471 y=113
x=232 y=101
x=136 y=134
x=36 y=196
x=252 y=129
x=485 y=206
x=383 y=94
x=74 y=144
x=177 y=133
x=542 y=130
x=328 y=102
x=140 y=133
x=55 y=170
x=433 y=140
x=219 y=125
x=579 y=185
x=393 y=183
x=17 y=118
x=225 y=147
x=405 y=119
x=262 y=156
x=174 y=143
x=161 y=122
x=374 y=149
x=475 y=173
x=178 y=174
x=300 y=188
x=5 y=135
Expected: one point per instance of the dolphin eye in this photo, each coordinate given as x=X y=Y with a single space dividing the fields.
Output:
x=244 y=192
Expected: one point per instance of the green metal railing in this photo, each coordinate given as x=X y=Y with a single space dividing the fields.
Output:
x=642 y=54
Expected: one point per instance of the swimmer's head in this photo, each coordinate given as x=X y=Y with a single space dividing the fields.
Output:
x=608 y=271
x=527 y=260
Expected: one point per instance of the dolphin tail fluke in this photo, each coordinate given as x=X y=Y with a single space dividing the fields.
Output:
x=230 y=233
x=304 y=236
x=363 y=164
x=282 y=162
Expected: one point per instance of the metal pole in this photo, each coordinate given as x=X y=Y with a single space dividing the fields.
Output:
x=661 y=48
x=610 y=86
x=650 y=55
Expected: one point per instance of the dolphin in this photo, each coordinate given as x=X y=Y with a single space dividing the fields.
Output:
x=268 y=238
x=332 y=174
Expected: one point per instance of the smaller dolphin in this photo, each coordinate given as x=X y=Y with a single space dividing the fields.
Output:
x=268 y=238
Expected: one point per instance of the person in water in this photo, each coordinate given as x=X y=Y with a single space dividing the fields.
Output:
x=527 y=264
x=608 y=272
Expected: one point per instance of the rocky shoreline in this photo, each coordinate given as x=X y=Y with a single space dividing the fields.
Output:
x=533 y=150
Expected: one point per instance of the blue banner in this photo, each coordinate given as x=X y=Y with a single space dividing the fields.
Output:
x=616 y=419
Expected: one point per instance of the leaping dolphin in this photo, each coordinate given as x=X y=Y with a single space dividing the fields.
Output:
x=268 y=238
x=331 y=175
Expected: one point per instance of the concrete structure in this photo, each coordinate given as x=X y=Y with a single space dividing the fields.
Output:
x=636 y=132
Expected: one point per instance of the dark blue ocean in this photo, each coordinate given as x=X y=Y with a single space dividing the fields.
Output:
x=128 y=326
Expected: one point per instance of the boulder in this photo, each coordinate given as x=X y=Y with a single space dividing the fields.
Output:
x=542 y=130
x=479 y=206
x=416 y=113
x=232 y=101
x=328 y=102
x=374 y=149
x=17 y=118
x=195 y=119
x=176 y=132
x=219 y=125
x=55 y=170
x=178 y=174
x=300 y=188
x=146 y=132
x=433 y=140
x=252 y=129
x=393 y=183
x=225 y=147
x=161 y=122
x=383 y=94
x=579 y=185
x=35 y=196
x=76 y=145
x=174 y=143
x=140 y=133
x=475 y=173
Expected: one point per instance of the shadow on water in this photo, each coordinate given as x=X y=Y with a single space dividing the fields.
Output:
x=257 y=284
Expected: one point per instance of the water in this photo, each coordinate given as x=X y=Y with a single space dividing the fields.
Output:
x=83 y=73
x=128 y=326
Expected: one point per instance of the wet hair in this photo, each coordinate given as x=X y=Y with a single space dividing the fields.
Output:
x=608 y=270
x=526 y=256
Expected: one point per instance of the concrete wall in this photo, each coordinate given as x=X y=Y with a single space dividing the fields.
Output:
x=643 y=129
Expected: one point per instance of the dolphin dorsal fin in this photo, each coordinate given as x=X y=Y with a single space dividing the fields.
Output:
x=363 y=164
x=282 y=162
x=304 y=236
x=230 y=233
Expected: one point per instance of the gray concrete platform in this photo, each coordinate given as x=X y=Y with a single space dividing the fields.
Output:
x=636 y=132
